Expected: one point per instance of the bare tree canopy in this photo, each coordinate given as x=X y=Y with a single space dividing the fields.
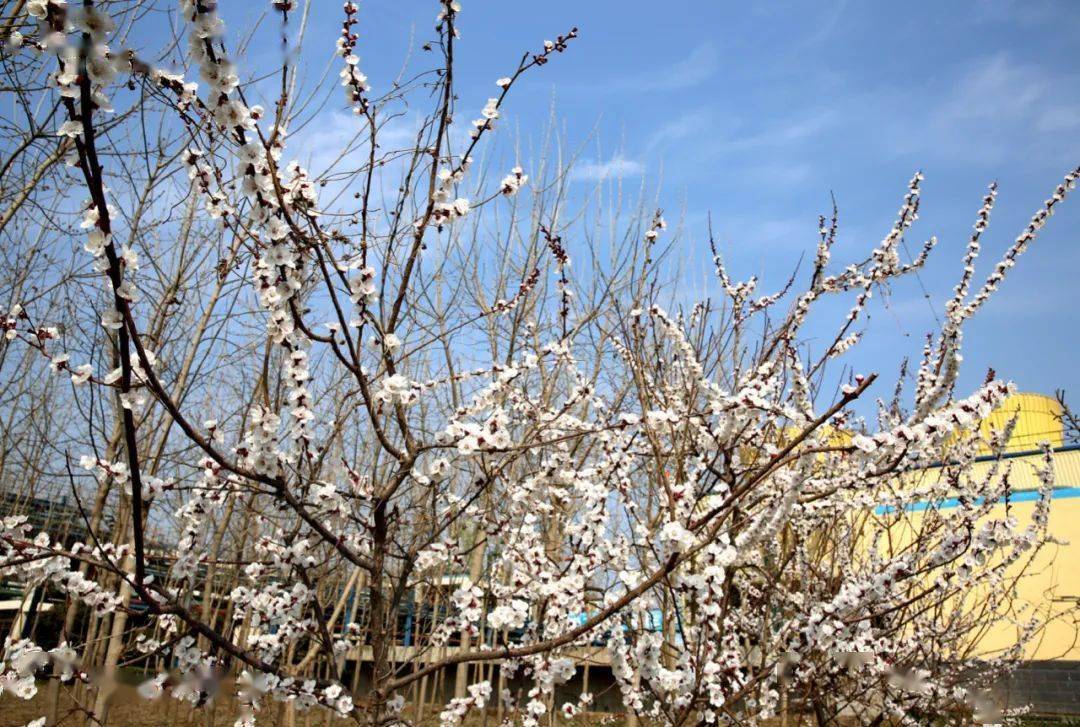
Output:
x=409 y=437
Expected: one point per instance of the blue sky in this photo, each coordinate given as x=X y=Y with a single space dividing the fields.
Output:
x=755 y=113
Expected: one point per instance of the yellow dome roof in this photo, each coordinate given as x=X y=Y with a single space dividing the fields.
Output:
x=1038 y=420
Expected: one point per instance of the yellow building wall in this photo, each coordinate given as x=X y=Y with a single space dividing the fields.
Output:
x=1051 y=583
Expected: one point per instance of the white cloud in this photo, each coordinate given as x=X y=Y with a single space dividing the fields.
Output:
x=829 y=20
x=791 y=131
x=618 y=166
x=683 y=126
x=696 y=68
x=1003 y=108
x=783 y=173
x=996 y=88
x=1059 y=118
x=337 y=141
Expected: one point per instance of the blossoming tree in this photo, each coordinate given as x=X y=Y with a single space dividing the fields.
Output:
x=305 y=400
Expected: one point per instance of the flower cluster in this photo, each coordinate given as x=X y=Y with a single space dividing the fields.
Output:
x=513 y=182
x=352 y=79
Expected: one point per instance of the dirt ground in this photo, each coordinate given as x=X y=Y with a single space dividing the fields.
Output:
x=130 y=710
